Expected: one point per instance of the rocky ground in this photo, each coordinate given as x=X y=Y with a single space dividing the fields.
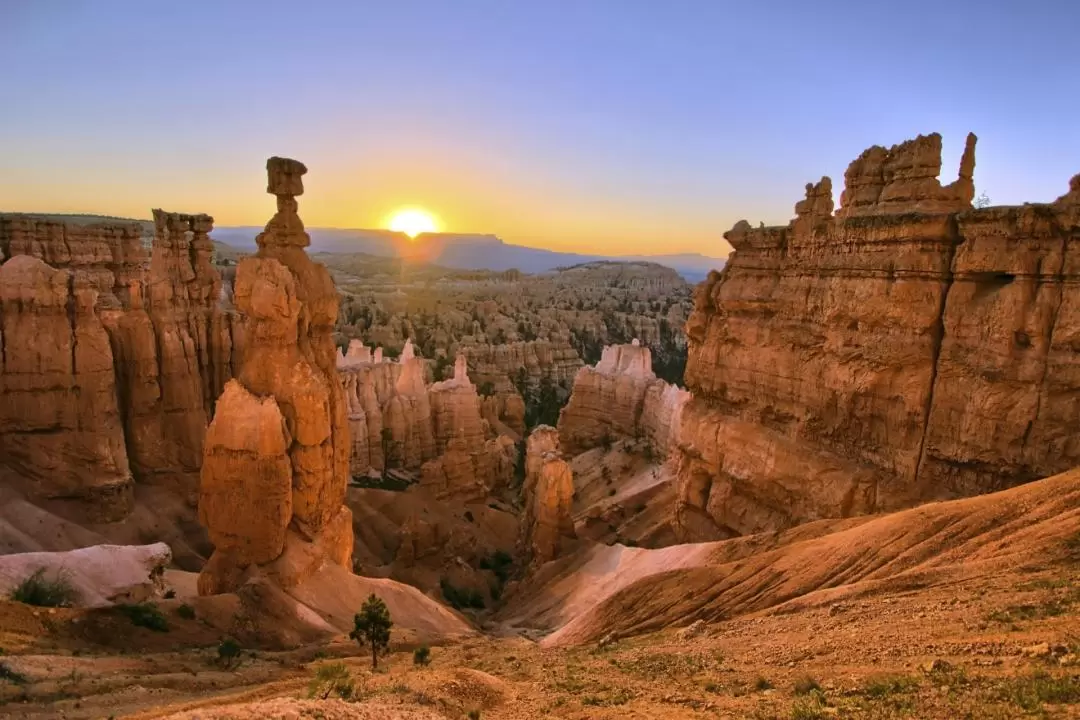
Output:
x=1000 y=646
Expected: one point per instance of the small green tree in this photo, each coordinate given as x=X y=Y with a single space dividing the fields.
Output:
x=372 y=627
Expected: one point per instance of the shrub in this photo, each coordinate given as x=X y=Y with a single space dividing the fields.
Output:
x=474 y=715
x=461 y=598
x=332 y=678
x=421 y=655
x=228 y=652
x=186 y=611
x=147 y=615
x=42 y=592
x=806 y=685
x=170 y=594
x=762 y=683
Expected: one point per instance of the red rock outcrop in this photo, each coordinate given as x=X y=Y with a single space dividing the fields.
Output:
x=548 y=490
x=107 y=256
x=511 y=368
x=398 y=422
x=175 y=350
x=621 y=398
x=165 y=357
x=281 y=431
x=905 y=348
x=389 y=411
x=60 y=429
x=473 y=461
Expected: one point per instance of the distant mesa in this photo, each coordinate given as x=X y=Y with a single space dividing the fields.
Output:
x=466 y=251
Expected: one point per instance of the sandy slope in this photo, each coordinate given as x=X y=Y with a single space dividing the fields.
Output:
x=627 y=590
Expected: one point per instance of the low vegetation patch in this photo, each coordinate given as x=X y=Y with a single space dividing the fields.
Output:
x=332 y=679
x=41 y=591
x=461 y=598
x=806 y=685
x=887 y=685
x=499 y=563
x=676 y=665
x=1072 y=547
x=1058 y=604
x=186 y=611
x=147 y=615
x=1031 y=692
x=811 y=706
x=382 y=482
x=762 y=683
x=619 y=696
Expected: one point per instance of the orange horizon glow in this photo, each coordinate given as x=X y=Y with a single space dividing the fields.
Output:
x=468 y=200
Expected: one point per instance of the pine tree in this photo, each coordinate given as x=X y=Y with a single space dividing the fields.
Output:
x=372 y=627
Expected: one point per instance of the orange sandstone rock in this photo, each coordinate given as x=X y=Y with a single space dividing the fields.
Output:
x=60 y=430
x=906 y=348
x=548 y=491
x=288 y=380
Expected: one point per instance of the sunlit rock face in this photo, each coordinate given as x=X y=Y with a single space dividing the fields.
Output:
x=548 y=491
x=61 y=433
x=280 y=436
x=151 y=350
x=438 y=430
x=905 y=348
x=621 y=398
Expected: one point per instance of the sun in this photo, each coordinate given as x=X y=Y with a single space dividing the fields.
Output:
x=413 y=221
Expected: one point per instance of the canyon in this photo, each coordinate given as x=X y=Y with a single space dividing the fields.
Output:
x=879 y=403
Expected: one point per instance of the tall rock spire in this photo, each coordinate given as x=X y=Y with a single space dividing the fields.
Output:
x=277 y=452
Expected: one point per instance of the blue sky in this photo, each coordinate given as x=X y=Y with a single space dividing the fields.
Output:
x=600 y=125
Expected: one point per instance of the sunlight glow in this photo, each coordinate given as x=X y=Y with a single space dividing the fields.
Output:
x=413 y=221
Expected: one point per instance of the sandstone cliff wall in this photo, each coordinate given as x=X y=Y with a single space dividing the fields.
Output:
x=146 y=346
x=905 y=348
x=621 y=398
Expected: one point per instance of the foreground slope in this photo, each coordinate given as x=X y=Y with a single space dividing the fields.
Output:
x=628 y=591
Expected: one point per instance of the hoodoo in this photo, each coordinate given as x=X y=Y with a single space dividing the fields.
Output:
x=279 y=439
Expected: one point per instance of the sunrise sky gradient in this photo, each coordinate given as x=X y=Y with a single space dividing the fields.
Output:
x=611 y=126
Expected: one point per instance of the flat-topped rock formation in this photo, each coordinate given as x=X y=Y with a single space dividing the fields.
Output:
x=903 y=349
x=123 y=394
